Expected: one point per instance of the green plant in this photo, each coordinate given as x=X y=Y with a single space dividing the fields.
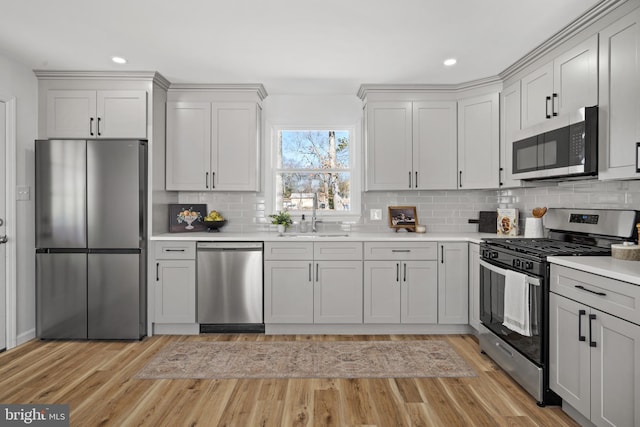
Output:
x=281 y=217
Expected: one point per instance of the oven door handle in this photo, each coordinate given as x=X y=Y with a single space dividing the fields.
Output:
x=503 y=272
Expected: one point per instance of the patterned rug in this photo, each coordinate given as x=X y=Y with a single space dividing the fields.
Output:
x=311 y=359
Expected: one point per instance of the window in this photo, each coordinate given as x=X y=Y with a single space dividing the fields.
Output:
x=317 y=163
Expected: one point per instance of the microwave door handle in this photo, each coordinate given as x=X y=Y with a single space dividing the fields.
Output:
x=501 y=271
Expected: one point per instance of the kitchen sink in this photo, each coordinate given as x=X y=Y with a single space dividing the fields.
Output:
x=313 y=235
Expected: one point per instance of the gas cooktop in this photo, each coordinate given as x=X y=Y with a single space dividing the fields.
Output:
x=547 y=247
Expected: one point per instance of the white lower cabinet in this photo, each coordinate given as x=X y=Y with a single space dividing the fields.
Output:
x=474 y=285
x=309 y=282
x=453 y=283
x=400 y=292
x=594 y=356
x=175 y=282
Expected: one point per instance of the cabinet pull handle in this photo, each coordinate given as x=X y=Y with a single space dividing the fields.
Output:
x=91 y=126
x=400 y=250
x=213 y=180
x=580 y=336
x=316 y=272
x=553 y=105
x=404 y=277
x=310 y=278
x=174 y=250
x=99 y=126
x=602 y=294
x=397 y=272
x=441 y=254
x=592 y=343
x=157 y=271
x=546 y=107
x=409 y=179
x=460 y=179
x=416 y=179
x=206 y=180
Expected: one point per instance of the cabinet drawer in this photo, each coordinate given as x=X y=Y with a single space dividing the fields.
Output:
x=621 y=299
x=288 y=250
x=400 y=251
x=343 y=251
x=175 y=250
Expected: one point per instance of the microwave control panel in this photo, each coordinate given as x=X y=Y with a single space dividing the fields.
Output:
x=576 y=144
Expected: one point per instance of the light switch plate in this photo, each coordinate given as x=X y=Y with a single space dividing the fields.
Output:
x=375 y=214
x=23 y=192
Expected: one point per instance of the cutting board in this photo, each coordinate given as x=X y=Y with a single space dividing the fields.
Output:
x=487 y=222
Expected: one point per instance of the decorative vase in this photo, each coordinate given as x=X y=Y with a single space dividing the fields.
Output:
x=281 y=228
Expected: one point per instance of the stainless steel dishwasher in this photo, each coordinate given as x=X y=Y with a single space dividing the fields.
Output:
x=230 y=287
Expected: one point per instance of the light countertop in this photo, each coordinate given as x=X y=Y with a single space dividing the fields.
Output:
x=627 y=271
x=402 y=236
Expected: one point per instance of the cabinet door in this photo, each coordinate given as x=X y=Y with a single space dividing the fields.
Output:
x=122 y=114
x=419 y=283
x=618 y=99
x=569 y=359
x=175 y=292
x=288 y=292
x=536 y=87
x=474 y=285
x=389 y=146
x=453 y=288
x=478 y=142
x=188 y=146
x=337 y=295
x=575 y=77
x=615 y=371
x=234 y=146
x=435 y=149
x=382 y=291
x=509 y=124
x=71 y=114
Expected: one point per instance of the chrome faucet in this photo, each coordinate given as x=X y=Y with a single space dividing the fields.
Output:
x=314 y=219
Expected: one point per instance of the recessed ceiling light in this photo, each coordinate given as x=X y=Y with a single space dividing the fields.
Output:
x=118 y=60
x=449 y=62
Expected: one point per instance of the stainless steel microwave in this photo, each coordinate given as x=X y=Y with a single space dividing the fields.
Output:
x=567 y=147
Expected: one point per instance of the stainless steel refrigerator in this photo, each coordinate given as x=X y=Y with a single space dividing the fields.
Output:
x=90 y=239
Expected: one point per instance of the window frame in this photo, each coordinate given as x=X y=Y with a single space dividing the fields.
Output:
x=355 y=171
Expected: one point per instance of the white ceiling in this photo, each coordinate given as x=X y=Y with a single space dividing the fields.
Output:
x=291 y=46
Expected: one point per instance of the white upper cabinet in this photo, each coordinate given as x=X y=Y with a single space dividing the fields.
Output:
x=411 y=145
x=562 y=86
x=619 y=118
x=96 y=114
x=212 y=146
x=478 y=142
x=509 y=124
x=435 y=148
x=389 y=151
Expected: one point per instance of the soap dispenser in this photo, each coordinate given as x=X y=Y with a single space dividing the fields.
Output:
x=303 y=225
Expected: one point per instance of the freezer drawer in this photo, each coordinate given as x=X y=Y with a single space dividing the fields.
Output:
x=61 y=295
x=114 y=296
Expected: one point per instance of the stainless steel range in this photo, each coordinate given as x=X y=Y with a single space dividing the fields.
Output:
x=521 y=264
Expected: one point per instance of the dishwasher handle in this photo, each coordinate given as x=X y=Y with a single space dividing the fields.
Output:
x=229 y=246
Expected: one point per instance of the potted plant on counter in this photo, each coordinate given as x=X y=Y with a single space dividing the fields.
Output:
x=282 y=219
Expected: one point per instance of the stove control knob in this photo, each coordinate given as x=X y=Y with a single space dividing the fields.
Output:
x=529 y=265
x=493 y=254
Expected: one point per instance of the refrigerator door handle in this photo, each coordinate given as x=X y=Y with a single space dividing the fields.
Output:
x=3 y=239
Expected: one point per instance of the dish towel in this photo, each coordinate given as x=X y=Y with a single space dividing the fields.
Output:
x=516 y=303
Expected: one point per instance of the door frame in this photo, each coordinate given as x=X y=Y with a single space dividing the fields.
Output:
x=10 y=219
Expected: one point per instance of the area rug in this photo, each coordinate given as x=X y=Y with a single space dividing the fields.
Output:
x=310 y=359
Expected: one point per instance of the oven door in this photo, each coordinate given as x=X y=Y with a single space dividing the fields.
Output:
x=492 y=281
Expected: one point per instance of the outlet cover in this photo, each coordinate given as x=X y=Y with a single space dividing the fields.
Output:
x=23 y=192
x=375 y=214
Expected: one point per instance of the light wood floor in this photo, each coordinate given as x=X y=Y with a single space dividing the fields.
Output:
x=96 y=380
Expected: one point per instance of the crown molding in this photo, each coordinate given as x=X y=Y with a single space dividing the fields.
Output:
x=426 y=88
x=98 y=75
x=257 y=88
x=592 y=15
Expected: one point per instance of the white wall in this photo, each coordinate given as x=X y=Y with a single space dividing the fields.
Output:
x=19 y=81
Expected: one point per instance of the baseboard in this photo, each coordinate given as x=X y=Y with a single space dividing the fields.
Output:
x=176 y=329
x=25 y=337
x=367 y=329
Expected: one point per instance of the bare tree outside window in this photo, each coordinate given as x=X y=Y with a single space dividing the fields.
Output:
x=313 y=162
